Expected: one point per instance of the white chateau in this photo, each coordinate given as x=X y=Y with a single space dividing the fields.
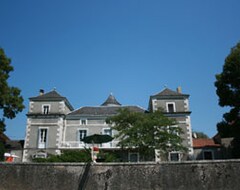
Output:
x=54 y=125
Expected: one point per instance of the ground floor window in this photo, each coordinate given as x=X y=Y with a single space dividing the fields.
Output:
x=207 y=155
x=174 y=156
x=40 y=155
x=133 y=157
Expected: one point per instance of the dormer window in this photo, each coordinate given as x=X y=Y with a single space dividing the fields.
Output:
x=45 y=109
x=171 y=107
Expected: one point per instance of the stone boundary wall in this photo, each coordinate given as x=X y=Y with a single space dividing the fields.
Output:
x=190 y=175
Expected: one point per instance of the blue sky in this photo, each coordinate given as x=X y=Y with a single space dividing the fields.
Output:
x=87 y=49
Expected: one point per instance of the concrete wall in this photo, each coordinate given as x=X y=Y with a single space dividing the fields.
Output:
x=185 y=175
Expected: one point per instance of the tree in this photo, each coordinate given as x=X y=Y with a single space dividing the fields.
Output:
x=228 y=91
x=11 y=102
x=2 y=151
x=146 y=131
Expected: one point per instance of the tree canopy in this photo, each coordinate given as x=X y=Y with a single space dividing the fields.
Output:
x=228 y=82
x=11 y=102
x=228 y=91
x=146 y=131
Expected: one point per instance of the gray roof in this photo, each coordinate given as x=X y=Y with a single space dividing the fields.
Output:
x=169 y=93
x=48 y=96
x=111 y=101
x=14 y=145
x=52 y=96
x=110 y=107
x=103 y=110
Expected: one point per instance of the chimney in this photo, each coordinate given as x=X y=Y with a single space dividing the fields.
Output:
x=179 y=90
x=41 y=92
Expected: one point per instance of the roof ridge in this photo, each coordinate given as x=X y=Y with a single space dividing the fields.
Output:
x=169 y=92
x=52 y=95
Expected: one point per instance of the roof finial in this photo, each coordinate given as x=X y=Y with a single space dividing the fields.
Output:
x=165 y=86
x=54 y=88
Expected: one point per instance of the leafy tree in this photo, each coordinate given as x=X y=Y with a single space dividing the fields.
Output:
x=146 y=131
x=2 y=151
x=11 y=102
x=228 y=91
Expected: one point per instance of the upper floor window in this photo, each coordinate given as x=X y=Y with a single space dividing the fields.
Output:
x=82 y=133
x=42 y=138
x=107 y=131
x=45 y=109
x=171 y=107
x=83 y=122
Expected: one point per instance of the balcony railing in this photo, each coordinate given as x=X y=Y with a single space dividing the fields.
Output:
x=79 y=144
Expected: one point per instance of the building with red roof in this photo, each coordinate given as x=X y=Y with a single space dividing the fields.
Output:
x=206 y=149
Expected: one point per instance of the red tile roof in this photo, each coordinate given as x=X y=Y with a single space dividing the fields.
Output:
x=200 y=143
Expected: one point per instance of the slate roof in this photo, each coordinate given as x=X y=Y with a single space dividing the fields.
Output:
x=169 y=92
x=4 y=137
x=201 y=143
x=103 y=110
x=14 y=144
x=52 y=96
x=111 y=101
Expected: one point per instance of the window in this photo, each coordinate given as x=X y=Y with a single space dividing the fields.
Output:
x=83 y=122
x=40 y=155
x=171 y=107
x=133 y=157
x=45 y=109
x=42 y=140
x=82 y=133
x=207 y=155
x=107 y=131
x=174 y=156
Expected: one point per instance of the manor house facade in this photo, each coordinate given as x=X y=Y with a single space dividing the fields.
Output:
x=54 y=125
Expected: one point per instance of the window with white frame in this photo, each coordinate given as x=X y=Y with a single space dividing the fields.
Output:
x=40 y=155
x=107 y=131
x=42 y=138
x=81 y=134
x=83 y=122
x=170 y=107
x=45 y=109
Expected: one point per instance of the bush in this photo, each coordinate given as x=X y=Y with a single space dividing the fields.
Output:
x=108 y=157
x=80 y=156
x=68 y=156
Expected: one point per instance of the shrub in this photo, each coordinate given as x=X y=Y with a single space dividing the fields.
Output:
x=68 y=156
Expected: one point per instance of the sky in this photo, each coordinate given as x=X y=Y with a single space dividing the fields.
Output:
x=87 y=49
